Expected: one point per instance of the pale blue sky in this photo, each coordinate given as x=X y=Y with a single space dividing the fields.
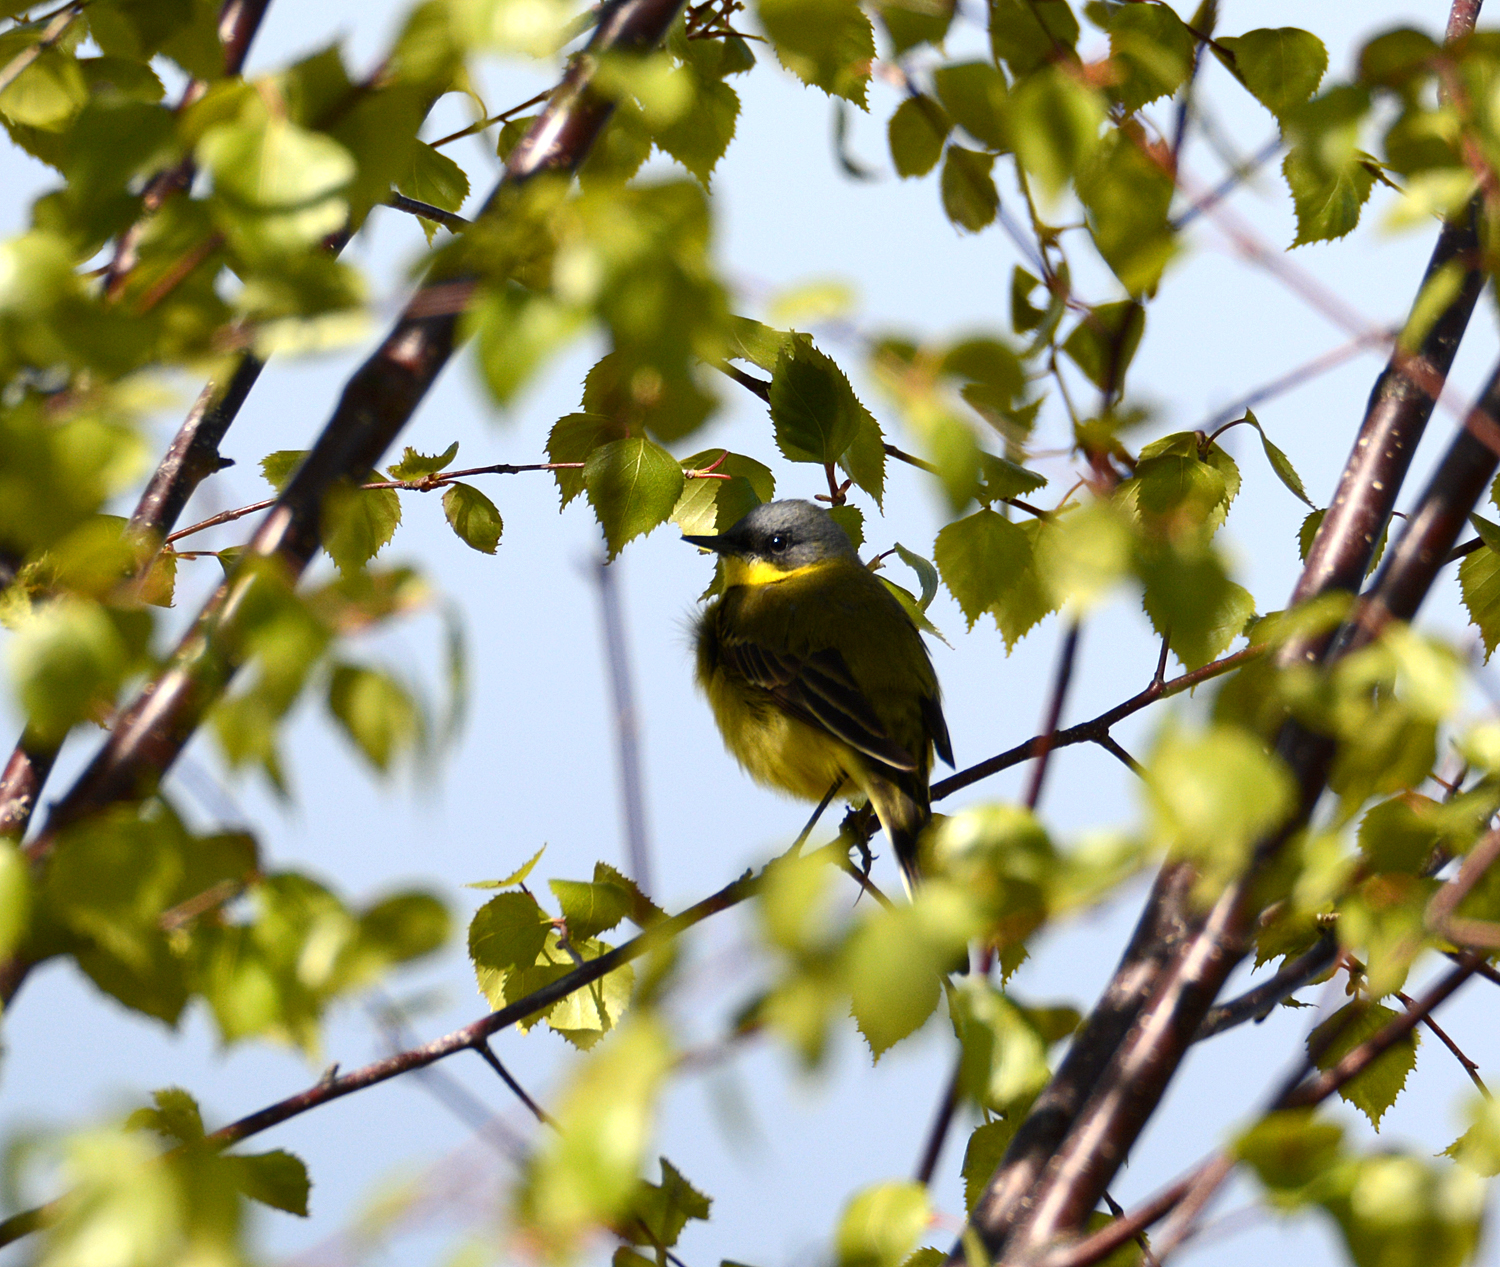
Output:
x=779 y=1152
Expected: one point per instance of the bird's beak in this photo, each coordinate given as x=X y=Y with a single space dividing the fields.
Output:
x=716 y=544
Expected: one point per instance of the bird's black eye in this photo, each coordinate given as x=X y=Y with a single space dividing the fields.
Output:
x=778 y=542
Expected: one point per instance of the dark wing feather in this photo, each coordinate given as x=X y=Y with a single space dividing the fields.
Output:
x=819 y=691
x=937 y=727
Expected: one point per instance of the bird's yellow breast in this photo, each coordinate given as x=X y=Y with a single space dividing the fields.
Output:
x=835 y=604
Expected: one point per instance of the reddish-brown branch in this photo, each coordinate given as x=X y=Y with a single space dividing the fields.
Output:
x=1064 y=1154
x=1199 y=1184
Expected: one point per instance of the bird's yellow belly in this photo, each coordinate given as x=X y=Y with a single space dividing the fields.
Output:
x=777 y=750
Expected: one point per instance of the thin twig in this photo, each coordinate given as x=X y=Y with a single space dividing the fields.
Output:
x=1442 y=1035
x=536 y=1110
x=1108 y=743
x=627 y=728
x=1096 y=729
x=56 y=29
x=448 y=219
x=1048 y=735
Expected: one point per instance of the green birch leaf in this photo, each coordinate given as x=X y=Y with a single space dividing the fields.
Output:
x=1154 y=48
x=982 y=1156
x=279 y=467
x=1283 y=467
x=709 y=506
x=970 y=198
x=1192 y=602
x=474 y=517
x=277 y=1179
x=814 y=409
x=633 y=486
x=827 y=44
x=916 y=132
x=852 y=520
x=176 y=1116
x=415 y=466
x=700 y=136
x=1373 y=1091
x=506 y=936
x=989 y=565
x=927 y=574
x=661 y=1211
x=358 y=523
x=759 y=344
x=434 y=178
x=1282 y=68
x=517 y=876
x=590 y=908
x=864 y=460
x=572 y=439
x=1479 y=584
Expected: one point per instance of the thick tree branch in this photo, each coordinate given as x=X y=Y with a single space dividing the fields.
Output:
x=194 y=453
x=1078 y=1165
x=1133 y=1079
x=376 y=403
x=1199 y=1183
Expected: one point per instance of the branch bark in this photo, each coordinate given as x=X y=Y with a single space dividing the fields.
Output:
x=1134 y=1077
x=1063 y=1155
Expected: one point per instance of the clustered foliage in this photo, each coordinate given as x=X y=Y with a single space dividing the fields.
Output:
x=120 y=279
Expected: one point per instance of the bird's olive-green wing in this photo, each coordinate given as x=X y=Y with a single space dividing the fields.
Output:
x=819 y=690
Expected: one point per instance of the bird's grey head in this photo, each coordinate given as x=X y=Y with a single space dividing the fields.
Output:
x=787 y=535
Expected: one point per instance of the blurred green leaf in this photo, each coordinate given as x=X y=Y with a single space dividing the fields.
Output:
x=585 y=1173
x=916 y=132
x=881 y=1224
x=974 y=94
x=659 y=1211
x=1282 y=68
x=376 y=712
x=970 y=198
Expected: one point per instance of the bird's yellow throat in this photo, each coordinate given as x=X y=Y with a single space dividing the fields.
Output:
x=742 y=571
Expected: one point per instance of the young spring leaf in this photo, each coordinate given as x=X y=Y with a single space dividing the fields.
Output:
x=1375 y=1089
x=415 y=466
x=916 y=134
x=474 y=517
x=814 y=409
x=633 y=486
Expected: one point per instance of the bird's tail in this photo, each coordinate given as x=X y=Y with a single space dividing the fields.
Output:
x=904 y=817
